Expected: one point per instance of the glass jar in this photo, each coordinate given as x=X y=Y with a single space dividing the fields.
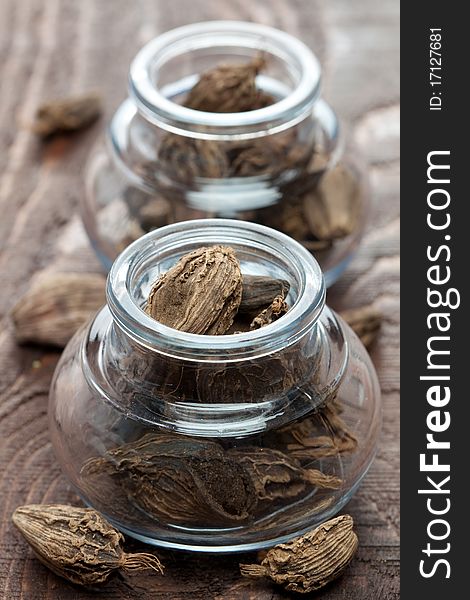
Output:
x=215 y=443
x=163 y=162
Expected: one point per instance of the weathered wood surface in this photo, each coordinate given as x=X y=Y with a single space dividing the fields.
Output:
x=53 y=47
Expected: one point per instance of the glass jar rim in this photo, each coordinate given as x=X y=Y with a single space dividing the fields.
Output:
x=145 y=330
x=182 y=120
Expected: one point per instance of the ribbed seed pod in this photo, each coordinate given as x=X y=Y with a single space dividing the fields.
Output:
x=56 y=306
x=309 y=562
x=78 y=543
x=200 y=294
x=67 y=114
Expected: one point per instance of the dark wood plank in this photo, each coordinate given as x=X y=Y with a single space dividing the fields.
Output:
x=52 y=47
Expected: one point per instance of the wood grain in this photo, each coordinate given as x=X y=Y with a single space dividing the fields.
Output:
x=50 y=48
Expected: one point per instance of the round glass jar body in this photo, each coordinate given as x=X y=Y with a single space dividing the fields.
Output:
x=215 y=443
x=163 y=162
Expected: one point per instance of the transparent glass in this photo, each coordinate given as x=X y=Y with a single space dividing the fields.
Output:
x=162 y=162
x=215 y=443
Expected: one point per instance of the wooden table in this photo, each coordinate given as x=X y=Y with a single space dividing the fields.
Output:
x=51 y=48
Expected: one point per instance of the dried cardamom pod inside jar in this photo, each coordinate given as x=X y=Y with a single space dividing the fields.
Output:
x=225 y=119
x=188 y=434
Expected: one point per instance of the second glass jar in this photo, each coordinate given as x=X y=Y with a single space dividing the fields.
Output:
x=163 y=162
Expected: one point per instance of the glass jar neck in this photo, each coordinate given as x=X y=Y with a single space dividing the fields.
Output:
x=160 y=72
x=260 y=250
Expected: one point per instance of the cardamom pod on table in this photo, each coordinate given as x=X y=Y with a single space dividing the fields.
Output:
x=310 y=561
x=229 y=88
x=56 y=306
x=78 y=543
x=180 y=479
x=66 y=114
x=200 y=294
